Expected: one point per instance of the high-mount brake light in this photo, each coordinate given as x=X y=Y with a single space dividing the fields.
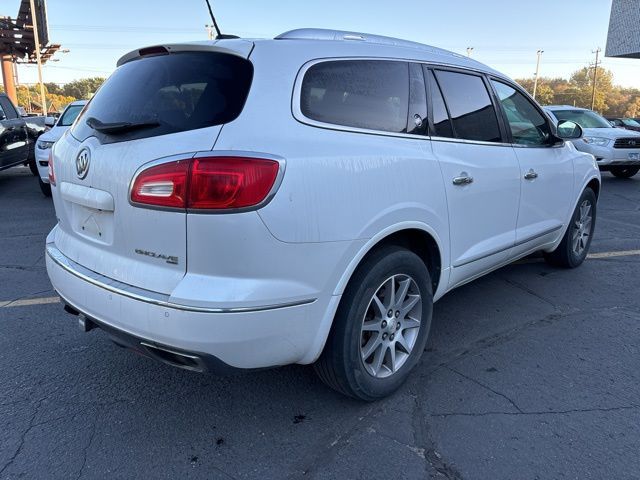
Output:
x=206 y=183
x=159 y=50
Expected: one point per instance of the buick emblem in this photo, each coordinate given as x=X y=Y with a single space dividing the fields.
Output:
x=82 y=163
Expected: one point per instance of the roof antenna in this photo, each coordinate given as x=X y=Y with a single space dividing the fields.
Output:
x=220 y=35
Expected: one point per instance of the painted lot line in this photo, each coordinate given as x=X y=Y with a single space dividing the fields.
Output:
x=28 y=301
x=623 y=253
x=47 y=300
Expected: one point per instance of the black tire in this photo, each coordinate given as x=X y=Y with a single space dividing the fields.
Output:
x=340 y=366
x=44 y=187
x=624 y=172
x=33 y=167
x=566 y=255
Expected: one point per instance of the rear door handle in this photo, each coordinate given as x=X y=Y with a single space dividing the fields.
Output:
x=530 y=175
x=463 y=179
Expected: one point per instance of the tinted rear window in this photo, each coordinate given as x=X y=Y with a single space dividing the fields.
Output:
x=369 y=94
x=470 y=106
x=181 y=91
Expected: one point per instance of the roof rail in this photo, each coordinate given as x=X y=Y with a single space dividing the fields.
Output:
x=324 y=34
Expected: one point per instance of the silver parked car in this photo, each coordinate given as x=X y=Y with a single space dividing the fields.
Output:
x=616 y=150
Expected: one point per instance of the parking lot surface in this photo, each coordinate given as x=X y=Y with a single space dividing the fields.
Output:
x=530 y=373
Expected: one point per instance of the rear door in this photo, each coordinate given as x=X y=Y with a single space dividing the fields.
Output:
x=153 y=109
x=546 y=170
x=481 y=173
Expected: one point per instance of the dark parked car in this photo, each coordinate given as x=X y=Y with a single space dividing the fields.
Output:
x=18 y=136
x=626 y=123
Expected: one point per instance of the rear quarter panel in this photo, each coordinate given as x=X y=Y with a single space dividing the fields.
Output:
x=338 y=186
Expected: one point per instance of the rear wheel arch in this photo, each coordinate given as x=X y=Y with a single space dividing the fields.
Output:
x=416 y=240
x=594 y=185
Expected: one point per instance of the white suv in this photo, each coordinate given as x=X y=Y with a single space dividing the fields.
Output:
x=241 y=204
x=616 y=150
x=47 y=139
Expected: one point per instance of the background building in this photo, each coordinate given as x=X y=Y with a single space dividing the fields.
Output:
x=624 y=29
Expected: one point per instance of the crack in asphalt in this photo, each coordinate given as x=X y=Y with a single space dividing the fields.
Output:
x=24 y=434
x=94 y=428
x=530 y=292
x=421 y=437
x=339 y=442
x=477 y=382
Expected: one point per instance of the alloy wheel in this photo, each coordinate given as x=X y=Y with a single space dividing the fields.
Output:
x=390 y=326
x=582 y=228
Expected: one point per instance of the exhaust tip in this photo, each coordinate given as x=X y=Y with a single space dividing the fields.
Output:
x=175 y=359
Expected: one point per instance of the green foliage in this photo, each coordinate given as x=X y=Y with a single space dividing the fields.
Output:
x=610 y=99
x=83 y=88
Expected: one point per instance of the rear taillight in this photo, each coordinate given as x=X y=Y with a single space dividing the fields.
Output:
x=163 y=185
x=207 y=183
x=52 y=174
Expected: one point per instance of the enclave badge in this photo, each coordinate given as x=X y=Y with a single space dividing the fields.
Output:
x=82 y=163
x=168 y=258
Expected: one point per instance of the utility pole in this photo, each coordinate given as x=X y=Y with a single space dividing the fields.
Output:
x=595 y=78
x=209 y=31
x=535 y=82
x=469 y=50
x=34 y=25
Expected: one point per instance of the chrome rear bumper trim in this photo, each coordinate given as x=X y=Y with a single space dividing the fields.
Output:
x=149 y=296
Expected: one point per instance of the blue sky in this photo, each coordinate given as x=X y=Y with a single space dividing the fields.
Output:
x=504 y=33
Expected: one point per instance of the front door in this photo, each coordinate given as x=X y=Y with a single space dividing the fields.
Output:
x=546 y=171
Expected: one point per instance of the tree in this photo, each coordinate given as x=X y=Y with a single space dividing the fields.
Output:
x=29 y=98
x=633 y=110
x=610 y=100
x=53 y=88
x=83 y=88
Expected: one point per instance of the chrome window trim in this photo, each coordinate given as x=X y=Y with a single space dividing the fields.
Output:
x=300 y=117
x=148 y=296
x=282 y=163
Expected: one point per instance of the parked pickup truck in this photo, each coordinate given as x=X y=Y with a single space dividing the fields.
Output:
x=18 y=136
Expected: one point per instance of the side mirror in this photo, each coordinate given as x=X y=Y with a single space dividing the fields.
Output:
x=568 y=130
x=2 y=116
x=49 y=121
x=22 y=112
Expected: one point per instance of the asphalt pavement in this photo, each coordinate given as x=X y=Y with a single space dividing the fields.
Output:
x=530 y=373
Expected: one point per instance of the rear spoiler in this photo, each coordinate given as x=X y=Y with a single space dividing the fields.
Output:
x=238 y=47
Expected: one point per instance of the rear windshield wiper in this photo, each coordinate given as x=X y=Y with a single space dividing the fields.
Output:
x=120 y=127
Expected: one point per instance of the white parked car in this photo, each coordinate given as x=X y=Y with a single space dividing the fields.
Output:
x=253 y=203
x=616 y=150
x=47 y=139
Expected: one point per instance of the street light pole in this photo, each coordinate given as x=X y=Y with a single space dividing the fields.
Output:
x=469 y=50
x=595 y=78
x=34 y=25
x=535 y=82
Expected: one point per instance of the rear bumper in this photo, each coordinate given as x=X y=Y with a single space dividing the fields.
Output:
x=240 y=338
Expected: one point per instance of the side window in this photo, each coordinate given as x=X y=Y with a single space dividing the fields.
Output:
x=441 y=121
x=417 y=124
x=7 y=108
x=370 y=94
x=470 y=107
x=528 y=125
x=2 y=114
